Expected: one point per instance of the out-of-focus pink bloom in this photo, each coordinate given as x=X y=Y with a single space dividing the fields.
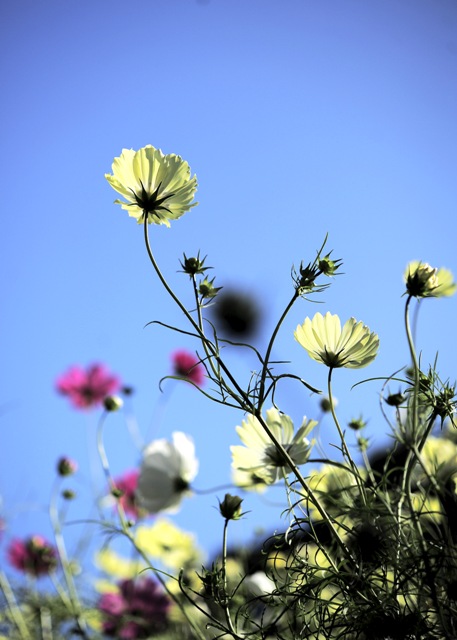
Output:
x=34 y=555
x=139 y=610
x=127 y=484
x=87 y=388
x=186 y=365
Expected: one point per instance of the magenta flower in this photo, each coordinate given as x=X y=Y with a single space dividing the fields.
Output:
x=138 y=610
x=127 y=484
x=34 y=555
x=87 y=389
x=186 y=365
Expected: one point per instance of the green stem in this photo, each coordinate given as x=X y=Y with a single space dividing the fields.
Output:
x=15 y=612
x=344 y=446
x=66 y=567
x=225 y=603
x=266 y=360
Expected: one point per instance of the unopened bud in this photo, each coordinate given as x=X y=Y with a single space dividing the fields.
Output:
x=230 y=507
x=112 y=403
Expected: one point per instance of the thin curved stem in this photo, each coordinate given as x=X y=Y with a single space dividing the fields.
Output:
x=344 y=446
x=266 y=359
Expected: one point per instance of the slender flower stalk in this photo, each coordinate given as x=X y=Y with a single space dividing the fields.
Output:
x=75 y=602
x=13 y=608
x=344 y=446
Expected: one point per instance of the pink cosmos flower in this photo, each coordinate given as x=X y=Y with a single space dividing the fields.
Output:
x=186 y=365
x=139 y=610
x=127 y=484
x=34 y=555
x=87 y=389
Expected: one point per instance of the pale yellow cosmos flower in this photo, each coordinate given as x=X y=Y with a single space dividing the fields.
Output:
x=165 y=541
x=424 y=281
x=354 y=346
x=153 y=184
x=259 y=456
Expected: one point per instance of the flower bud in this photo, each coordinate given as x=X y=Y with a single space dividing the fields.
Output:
x=68 y=494
x=194 y=266
x=357 y=423
x=325 y=404
x=230 y=507
x=66 y=466
x=328 y=267
x=112 y=403
x=395 y=399
x=207 y=289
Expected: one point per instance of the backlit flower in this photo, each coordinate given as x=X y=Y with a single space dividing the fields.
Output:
x=138 y=610
x=167 y=469
x=354 y=346
x=153 y=184
x=186 y=365
x=34 y=555
x=259 y=457
x=424 y=281
x=87 y=388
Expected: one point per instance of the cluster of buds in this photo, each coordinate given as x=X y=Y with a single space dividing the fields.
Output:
x=305 y=278
x=196 y=266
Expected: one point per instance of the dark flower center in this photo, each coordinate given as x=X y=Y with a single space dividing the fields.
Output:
x=150 y=202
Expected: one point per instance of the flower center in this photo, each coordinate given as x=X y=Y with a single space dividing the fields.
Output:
x=150 y=202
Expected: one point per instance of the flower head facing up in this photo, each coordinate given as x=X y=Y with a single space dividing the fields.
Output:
x=424 y=281
x=167 y=469
x=186 y=365
x=87 y=388
x=259 y=455
x=126 y=485
x=35 y=556
x=138 y=610
x=354 y=346
x=153 y=184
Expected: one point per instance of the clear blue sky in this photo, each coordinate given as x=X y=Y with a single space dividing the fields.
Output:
x=299 y=118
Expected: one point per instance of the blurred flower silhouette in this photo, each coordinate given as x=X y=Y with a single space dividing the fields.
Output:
x=138 y=610
x=237 y=314
x=354 y=346
x=34 y=555
x=186 y=365
x=154 y=184
x=127 y=485
x=167 y=469
x=87 y=388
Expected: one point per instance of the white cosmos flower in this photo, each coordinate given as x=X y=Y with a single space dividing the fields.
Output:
x=167 y=469
x=259 y=457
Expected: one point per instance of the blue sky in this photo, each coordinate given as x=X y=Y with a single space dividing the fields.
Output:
x=299 y=118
